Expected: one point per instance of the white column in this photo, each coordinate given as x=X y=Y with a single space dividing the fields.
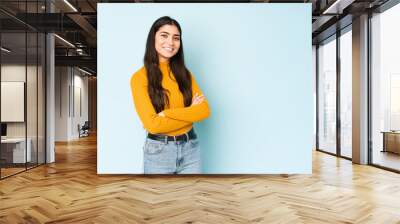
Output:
x=360 y=90
x=50 y=92
x=50 y=110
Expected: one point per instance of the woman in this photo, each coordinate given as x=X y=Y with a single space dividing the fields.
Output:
x=168 y=102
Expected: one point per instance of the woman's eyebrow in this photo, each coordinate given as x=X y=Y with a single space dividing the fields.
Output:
x=177 y=35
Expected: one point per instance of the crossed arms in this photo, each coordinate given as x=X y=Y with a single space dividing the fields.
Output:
x=171 y=119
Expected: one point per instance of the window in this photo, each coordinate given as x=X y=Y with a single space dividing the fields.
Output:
x=346 y=93
x=327 y=96
x=385 y=89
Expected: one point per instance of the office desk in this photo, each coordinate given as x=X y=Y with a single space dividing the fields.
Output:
x=391 y=141
x=15 y=148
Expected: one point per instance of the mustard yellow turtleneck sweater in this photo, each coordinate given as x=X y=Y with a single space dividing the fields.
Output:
x=178 y=118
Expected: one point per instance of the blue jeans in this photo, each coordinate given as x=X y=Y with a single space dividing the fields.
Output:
x=172 y=157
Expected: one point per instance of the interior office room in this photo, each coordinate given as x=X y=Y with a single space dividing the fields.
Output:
x=48 y=150
x=25 y=64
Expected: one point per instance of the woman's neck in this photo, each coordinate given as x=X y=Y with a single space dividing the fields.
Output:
x=164 y=64
x=163 y=60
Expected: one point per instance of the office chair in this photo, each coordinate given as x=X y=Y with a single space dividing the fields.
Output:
x=84 y=130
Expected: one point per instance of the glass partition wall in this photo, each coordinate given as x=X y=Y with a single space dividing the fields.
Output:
x=13 y=89
x=22 y=77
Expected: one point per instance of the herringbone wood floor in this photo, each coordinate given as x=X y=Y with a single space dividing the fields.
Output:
x=70 y=191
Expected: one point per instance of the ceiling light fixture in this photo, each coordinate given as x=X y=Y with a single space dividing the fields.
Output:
x=79 y=51
x=5 y=49
x=84 y=71
x=70 y=5
x=64 y=40
x=337 y=7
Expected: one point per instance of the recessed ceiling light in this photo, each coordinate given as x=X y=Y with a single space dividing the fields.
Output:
x=337 y=7
x=64 y=40
x=84 y=71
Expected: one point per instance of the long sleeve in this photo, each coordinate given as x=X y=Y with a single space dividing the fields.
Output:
x=147 y=114
x=193 y=113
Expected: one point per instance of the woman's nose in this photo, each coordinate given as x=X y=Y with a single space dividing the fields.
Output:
x=170 y=41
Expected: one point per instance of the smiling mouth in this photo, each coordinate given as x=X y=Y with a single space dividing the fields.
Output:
x=168 y=49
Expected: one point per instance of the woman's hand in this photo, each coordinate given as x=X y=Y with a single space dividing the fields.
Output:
x=197 y=99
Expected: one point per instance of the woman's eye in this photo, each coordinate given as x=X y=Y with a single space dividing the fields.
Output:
x=164 y=35
x=177 y=38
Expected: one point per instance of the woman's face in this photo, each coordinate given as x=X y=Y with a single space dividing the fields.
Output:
x=168 y=41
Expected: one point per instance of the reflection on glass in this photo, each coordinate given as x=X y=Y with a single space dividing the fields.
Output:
x=31 y=100
x=386 y=89
x=327 y=97
x=41 y=97
x=346 y=94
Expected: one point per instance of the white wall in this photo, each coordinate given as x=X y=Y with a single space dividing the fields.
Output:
x=71 y=94
x=9 y=73
x=15 y=72
x=62 y=81
x=80 y=110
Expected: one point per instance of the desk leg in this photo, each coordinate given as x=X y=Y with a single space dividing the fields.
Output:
x=384 y=142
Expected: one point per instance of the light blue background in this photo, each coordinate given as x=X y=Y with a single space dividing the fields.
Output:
x=253 y=63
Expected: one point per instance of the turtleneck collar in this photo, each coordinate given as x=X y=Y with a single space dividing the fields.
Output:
x=164 y=64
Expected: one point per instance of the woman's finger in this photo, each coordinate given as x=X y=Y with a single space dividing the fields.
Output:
x=199 y=100
x=194 y=97
x=201 y=97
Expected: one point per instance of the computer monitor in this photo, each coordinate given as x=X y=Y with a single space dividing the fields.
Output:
x=3 y=129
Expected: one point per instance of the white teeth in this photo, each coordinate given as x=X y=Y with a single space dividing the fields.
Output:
x=168 y=49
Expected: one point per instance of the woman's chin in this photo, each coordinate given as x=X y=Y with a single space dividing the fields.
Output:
x=168 y=56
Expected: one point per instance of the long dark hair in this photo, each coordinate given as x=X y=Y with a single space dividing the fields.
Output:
x=157 y=93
